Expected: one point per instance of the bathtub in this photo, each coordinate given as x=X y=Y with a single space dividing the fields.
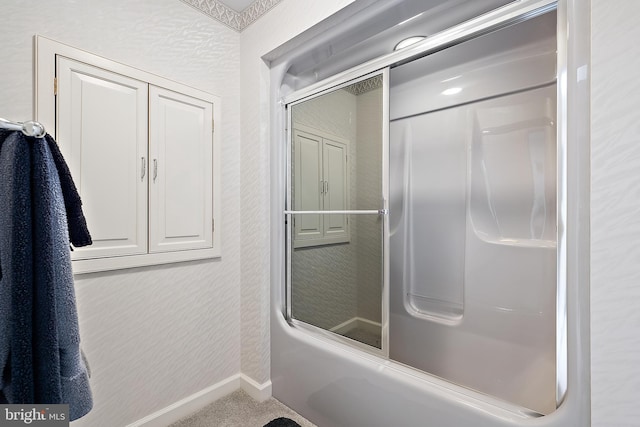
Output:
x=335 y=383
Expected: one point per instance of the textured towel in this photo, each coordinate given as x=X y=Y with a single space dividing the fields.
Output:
x=45 y=363
x=282 y=422
x=47 y=226
x=77 y=224
x=16 y=306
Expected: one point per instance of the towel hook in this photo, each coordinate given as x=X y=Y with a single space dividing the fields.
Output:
x=29 y=128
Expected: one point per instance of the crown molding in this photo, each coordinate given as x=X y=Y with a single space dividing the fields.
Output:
x=235 y=20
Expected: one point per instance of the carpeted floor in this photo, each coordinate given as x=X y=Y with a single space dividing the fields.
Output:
x=239 y=410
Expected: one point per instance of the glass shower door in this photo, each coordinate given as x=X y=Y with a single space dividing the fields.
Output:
x=473 y=280
x=336 y=212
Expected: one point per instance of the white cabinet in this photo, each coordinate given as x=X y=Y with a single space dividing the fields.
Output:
x=180 y=171
x=143 y=154
x=321 y=183
x=102 y=132
x=308 y=186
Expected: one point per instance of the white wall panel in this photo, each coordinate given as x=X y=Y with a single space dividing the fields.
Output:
x=159 y=334
x=615 y=213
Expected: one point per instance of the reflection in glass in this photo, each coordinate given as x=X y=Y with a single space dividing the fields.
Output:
x=339 y=287
x=336 y=165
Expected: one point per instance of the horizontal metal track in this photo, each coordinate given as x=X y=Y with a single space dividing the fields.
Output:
x=500 y=18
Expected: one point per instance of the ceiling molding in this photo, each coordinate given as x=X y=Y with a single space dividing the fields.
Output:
x=235 y=20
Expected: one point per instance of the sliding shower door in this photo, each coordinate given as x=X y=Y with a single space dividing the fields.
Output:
x=473 y=215
x=336 y=212
x=472 y=294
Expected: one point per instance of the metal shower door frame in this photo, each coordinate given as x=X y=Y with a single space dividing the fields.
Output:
x=382 y=211
x=502 y=17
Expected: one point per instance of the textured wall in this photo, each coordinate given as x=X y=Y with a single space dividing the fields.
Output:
x=158 y=334
x=283 y=22
x=615 y=213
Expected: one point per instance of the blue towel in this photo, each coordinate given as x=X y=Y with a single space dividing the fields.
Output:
x=76 y=222
x=45 y=363
x=17 y=280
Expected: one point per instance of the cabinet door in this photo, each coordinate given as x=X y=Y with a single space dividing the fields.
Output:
x=334 y=160
x=180 y=171
x=101 y=126
x=308 y=186
x=320 y=182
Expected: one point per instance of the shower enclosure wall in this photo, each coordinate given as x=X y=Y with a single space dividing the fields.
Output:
x=473 y=214
x=425 y=231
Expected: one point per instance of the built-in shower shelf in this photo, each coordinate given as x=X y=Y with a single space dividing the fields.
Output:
x=523 y=243
x=434 y=309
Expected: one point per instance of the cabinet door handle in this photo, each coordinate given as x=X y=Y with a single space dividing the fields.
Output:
x=321 y=187
x=326 y=183
x=155 y=169
x=143 y=168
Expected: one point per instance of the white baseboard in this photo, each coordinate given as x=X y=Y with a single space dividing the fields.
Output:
x=259 y=392
x=190 y=404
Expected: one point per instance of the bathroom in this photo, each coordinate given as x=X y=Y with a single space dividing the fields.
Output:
x=157 y=335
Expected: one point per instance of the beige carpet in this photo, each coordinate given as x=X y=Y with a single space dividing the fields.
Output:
x=239 y=410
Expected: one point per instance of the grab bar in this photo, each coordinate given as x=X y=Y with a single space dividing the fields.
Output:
x=354 y=212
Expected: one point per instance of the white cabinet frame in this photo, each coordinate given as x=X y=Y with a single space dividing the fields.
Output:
x=46 y=51
x=323 y=188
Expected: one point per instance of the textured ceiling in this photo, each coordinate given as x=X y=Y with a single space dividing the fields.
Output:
x=225 y=11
